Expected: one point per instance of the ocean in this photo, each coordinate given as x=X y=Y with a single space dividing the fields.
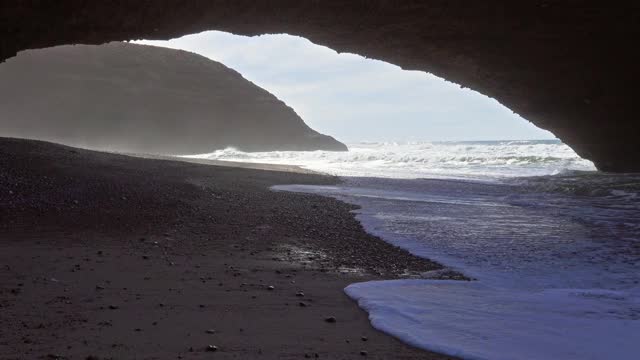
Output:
x=553 y=245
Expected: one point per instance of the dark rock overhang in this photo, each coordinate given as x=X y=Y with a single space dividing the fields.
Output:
x=567 y=66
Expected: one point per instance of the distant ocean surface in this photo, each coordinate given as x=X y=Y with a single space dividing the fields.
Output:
x=554 y=245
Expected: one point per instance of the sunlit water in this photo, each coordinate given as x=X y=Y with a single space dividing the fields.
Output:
x=473 y=159
x=554 y=245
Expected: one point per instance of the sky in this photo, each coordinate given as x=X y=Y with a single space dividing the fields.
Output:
x=357 y=99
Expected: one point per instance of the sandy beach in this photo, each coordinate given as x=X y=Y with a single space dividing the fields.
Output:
x=106 y=256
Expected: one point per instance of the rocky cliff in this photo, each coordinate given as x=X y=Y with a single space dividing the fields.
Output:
x=138 y=98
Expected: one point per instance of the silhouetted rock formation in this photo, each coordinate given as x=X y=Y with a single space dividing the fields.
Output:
x=138 y=98
x=570 y=67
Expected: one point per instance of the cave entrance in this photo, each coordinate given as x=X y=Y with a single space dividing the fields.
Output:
x=395 y=122
x=221 y=96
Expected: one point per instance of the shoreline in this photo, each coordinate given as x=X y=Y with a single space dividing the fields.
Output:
x=115 y=256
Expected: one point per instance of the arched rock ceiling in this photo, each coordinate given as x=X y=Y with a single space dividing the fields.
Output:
x=568 y=66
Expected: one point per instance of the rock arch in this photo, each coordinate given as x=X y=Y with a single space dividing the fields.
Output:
x=567 y=66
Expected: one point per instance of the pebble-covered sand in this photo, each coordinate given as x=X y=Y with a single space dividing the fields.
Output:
x=105 y=256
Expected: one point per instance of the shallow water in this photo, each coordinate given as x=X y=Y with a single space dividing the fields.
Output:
x=555 y=253
x=557 y=273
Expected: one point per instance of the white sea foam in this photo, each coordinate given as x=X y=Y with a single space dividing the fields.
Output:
x=554 y=246
x=476 y=321
x=478 y=159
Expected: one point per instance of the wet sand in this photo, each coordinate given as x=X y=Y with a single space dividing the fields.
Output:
x=106 y=256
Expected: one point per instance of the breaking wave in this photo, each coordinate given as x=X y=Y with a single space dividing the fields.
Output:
x=477 y=159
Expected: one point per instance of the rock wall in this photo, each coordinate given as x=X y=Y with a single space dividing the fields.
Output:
x=138 y=98
x=567 y=66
